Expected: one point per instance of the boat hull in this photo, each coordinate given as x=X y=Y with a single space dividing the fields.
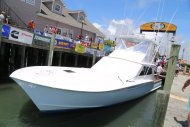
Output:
x=53 y=99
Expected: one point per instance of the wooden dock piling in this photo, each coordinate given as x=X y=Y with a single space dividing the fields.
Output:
x=94 y=57
x=51 y=50
x=171 y=67
x=162 y=96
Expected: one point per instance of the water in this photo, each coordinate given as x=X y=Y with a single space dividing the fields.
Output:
x=17 y=110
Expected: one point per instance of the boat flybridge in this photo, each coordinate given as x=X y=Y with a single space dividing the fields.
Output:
x=123 y=75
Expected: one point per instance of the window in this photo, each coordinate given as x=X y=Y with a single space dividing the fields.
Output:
x=71 y=33
x=43 y=12
x=146 y=71
x=32 y=2
x=59 y=31
x=65 y=32
x=57 y=8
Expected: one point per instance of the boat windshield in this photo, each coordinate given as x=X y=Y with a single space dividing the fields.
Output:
x=142 y=46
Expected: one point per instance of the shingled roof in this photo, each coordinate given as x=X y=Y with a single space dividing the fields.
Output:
x=69 y=20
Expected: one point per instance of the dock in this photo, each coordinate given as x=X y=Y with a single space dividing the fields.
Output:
x=176 y=115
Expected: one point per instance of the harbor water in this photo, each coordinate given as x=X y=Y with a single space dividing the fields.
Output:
x=17 y=110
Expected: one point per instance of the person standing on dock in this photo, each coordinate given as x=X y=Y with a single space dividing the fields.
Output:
x=186 y=84
x=2 y=16
x=159 y=70
x=31 y=25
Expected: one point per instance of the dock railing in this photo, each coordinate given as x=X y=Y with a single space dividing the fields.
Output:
x=14 y=19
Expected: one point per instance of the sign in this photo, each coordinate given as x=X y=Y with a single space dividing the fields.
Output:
x=90 y=51
x=5 y=31
x=80 y=49
x=20 y=36
x=86 y=44
x=158 y=26
x=98 y=53
x=59 y=37
x=94 y=45
x=62 y=43
x=41 y=40
x=101 y=47
x=107 y=48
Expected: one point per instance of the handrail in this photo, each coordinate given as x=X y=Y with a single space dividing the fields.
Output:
x=3 y=3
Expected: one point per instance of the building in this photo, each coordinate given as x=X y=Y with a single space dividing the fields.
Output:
x=51 y=13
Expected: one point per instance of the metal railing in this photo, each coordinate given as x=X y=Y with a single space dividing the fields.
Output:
x=14 y=19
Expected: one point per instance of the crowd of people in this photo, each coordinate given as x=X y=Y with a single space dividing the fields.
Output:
x=161 y=64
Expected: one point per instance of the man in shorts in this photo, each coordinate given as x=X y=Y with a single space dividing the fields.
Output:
x=186 y=84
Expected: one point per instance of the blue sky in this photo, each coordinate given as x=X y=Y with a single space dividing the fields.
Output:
x=114 y=16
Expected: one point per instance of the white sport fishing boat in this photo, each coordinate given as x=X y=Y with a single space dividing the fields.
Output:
x=123 y=75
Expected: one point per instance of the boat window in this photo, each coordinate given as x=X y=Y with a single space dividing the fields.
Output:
x=146 y=71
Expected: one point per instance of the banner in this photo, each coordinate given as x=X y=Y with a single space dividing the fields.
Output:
x=41 y=40
x=100 y=53
x=101 y=46
x=80 y=49
x=86 y=44
x=59 y=37
x=107 y=48
x=90 y=51
x=21 y=36
x=94 y=45
x=5 y=31
x=62 y=43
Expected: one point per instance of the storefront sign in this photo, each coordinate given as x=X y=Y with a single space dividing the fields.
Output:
x=5 y=31
x=158 y=26
x=20 y=36
x=101 y=46
x=41 y=40
x=100 y=53
x=90 y=51
x=80 y=49
x=86 y=44
x=94 y=45
x=62 y=43
x=107 y=48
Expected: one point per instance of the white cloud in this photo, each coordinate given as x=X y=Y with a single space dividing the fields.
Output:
x=97 y=26
x=117 y=28
x=112 y=30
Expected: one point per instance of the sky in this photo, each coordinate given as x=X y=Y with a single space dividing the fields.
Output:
x=123 y=17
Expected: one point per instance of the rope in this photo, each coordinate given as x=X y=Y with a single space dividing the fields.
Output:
x=163 y=37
